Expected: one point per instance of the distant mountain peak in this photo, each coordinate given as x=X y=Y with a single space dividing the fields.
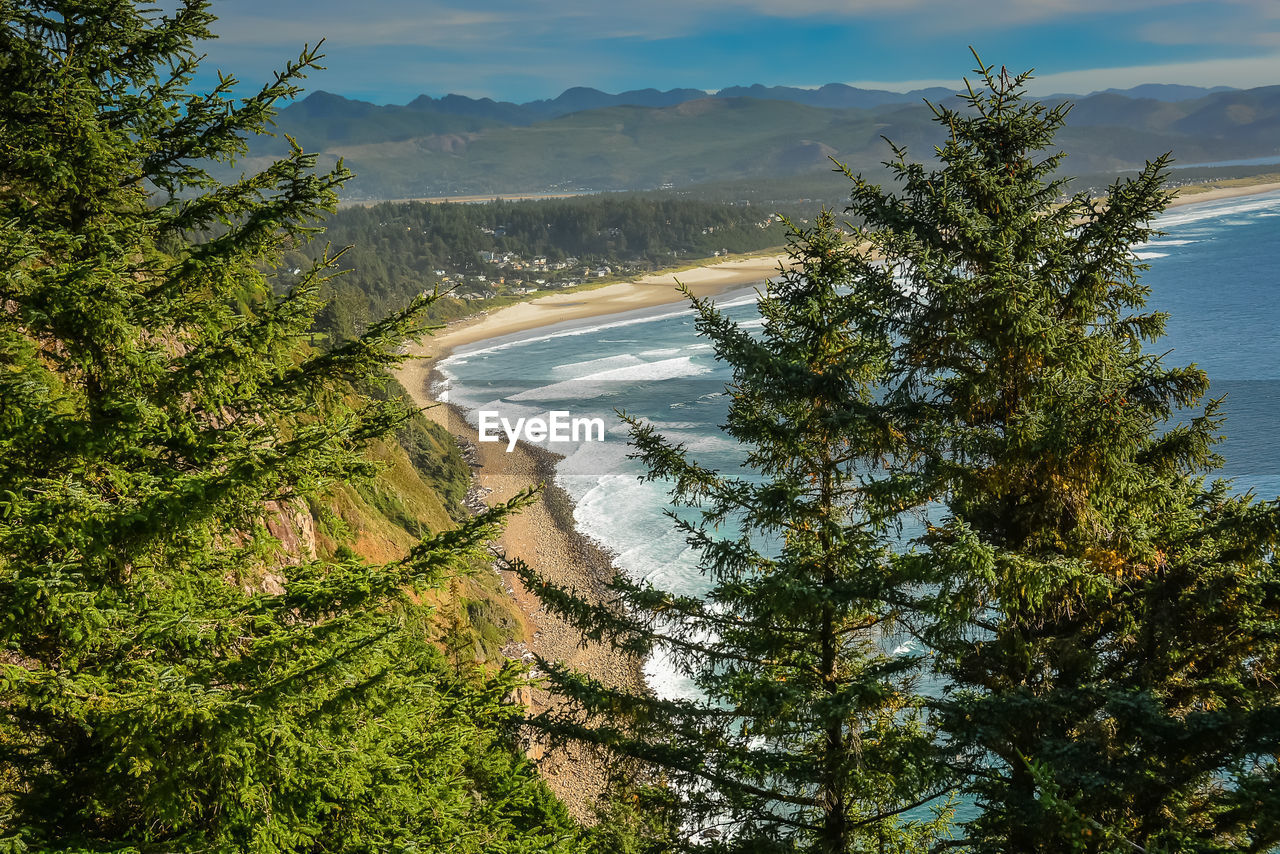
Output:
x=582 y=91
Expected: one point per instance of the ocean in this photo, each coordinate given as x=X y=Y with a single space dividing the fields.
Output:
x=1216 y=272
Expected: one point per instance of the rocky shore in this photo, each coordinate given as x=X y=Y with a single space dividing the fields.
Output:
x=543 y=536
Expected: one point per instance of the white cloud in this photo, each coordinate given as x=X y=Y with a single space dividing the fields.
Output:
x=354 y=24
x=1242 y=73
x=1234 y=22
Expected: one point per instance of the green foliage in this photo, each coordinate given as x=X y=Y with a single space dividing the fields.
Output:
x=494 y=627
x=172 y=677
x=615 y=148
x=391 y=505
x=436 y=457
x=809 y=737
x=1103 y=619
x=638 y=818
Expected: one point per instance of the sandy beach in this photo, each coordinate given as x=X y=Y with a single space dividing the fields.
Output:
x=655 y=290
x=1198 y=193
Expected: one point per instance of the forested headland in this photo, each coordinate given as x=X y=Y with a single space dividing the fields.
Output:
x=497 y=251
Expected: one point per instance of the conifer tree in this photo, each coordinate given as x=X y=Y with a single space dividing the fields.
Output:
x=807 y=737
x=1104 y=619
x=170 y=679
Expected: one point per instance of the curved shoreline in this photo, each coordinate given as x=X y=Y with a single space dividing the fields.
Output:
x=651 y=291
x=544 y=535
x=1210 y=193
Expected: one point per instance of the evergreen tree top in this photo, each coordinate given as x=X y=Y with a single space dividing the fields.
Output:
x=1095 y=608
x=173 y=678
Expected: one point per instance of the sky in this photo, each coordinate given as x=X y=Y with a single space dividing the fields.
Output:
x=390 y=51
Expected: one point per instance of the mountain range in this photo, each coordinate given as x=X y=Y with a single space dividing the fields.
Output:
x=585 y=139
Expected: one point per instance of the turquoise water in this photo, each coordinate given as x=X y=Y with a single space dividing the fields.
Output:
x=1216 y=271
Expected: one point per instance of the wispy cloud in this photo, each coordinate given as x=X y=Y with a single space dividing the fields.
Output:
x=1241 y=72
x=1237 y=23
x=351 y=24
x=1244 y=72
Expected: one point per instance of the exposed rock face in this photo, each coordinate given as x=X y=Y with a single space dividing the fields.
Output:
x=291 y=523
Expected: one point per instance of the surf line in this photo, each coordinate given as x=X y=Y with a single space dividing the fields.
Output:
x=558 y=426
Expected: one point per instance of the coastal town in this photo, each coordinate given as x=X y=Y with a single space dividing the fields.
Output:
x=508 y=272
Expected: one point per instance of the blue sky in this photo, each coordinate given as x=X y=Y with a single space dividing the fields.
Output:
x=389 y=51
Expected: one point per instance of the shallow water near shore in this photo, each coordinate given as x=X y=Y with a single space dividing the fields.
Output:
x=1216 y=272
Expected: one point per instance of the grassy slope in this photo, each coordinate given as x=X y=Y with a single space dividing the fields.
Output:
x=419 y=492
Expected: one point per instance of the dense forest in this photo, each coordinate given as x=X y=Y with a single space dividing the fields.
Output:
x=503 y=248
x=244 y=606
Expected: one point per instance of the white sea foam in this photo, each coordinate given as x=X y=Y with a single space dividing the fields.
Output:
x=568 y=333
x=675 y=425
x=602 y=382
x=647 y=545
x=583 y=466
x=1217 y=210
x=711 y=443
x=591 y=366
x=748 y=299
x=441 y=387
x=668 y=682
x=1147 y=256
